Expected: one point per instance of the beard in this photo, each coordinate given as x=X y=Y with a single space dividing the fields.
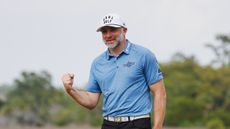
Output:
x=116 y=43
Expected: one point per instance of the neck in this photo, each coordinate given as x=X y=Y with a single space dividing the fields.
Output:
x=117 y=50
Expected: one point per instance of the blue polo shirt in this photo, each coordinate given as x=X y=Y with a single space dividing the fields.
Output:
x=124 y=80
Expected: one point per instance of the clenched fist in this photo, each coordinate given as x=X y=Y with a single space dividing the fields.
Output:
x=67 y=80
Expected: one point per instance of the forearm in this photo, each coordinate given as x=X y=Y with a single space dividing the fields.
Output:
x=159 y=109
x=82 y=98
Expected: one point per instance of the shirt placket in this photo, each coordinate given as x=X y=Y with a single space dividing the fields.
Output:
x=116 y=62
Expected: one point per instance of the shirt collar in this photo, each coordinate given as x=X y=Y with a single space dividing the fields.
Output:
x=126 y=50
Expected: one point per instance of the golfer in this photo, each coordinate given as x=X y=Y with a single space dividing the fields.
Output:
x=125 y=74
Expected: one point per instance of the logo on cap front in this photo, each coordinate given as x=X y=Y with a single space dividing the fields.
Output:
x=107 y=19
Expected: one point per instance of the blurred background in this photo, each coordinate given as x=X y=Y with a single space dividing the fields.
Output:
x=40 y=40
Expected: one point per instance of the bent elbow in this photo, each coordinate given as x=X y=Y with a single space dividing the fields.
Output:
x=91 y=107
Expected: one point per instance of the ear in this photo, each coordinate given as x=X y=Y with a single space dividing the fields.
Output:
x=124 y=30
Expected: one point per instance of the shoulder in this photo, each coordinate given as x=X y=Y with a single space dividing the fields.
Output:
x=141 y=50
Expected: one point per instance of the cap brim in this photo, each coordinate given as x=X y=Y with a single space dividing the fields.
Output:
x=112 y=25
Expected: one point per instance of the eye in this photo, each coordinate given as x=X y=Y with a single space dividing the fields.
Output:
x=103 y=31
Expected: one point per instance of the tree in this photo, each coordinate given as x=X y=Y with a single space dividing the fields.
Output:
x=30 y=99
x=33 y=100
x=196 y=94
x=221 y=51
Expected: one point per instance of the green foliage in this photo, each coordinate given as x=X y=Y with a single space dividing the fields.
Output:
x=63 y=117
x=215 y=123
x=30 y=99
x=33 y=100
x=195 y=93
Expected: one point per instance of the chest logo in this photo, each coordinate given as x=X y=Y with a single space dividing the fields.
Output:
x=128 y=64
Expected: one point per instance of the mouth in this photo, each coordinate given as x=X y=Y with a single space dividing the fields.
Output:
x=110 y=41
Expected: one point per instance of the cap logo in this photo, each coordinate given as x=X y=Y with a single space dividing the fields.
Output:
x=107 y=19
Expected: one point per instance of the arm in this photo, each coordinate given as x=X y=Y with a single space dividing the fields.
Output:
x=84 y=98
x=159 y=92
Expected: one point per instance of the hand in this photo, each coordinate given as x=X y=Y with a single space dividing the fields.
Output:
x=67 y=80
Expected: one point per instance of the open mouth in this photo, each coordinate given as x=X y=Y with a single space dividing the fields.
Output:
x=110 y=41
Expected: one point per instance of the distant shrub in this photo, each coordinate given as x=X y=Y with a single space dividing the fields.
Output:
x=62 y=118
x=215 y=123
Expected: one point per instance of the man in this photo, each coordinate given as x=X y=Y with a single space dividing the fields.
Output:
x=125 y=75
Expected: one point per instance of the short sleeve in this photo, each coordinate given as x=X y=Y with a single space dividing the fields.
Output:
x=151 y=68
x=92 y=85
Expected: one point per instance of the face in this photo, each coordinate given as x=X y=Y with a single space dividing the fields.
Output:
x=112 y=36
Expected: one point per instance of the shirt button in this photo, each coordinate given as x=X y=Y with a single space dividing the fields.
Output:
x=117 y=67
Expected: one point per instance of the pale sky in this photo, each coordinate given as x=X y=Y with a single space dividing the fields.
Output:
x=60 y=35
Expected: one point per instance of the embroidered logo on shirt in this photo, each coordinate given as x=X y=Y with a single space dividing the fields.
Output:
x=128 y=64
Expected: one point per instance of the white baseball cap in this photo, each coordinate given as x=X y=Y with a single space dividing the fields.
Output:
x=113 y=20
